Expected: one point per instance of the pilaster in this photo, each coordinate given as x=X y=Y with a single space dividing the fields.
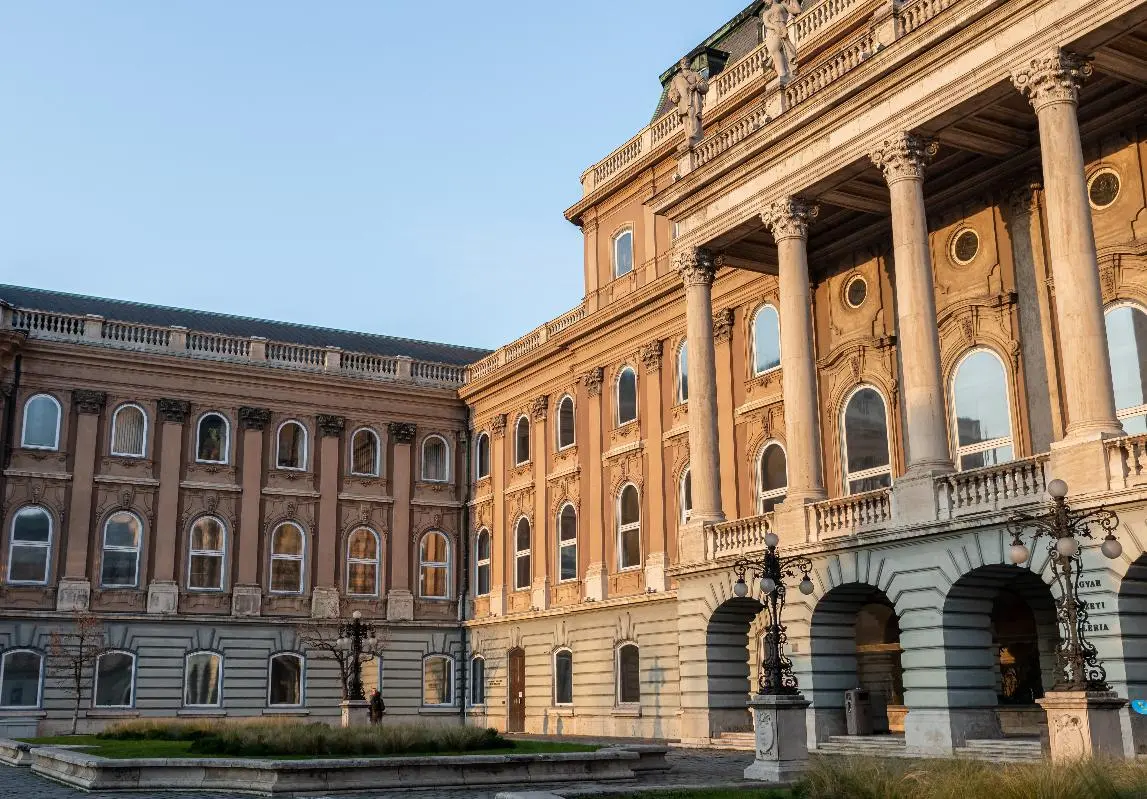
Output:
x=656 y=546
x=88 y=406
x=246 y=596
x=542 y=543
x=400 y=599
x=596 y=574
x=325 y=597
x=163 y=591
x=498 y=533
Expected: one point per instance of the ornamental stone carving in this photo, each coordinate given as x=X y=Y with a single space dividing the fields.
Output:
x=1022 y=199
x=775 y=19
x=88 y=401
x=1052 y=78
x=723 y=325
x=695 y=265
x=593 y=380
x=498 y=425
x=651 y=356
x=540 y=407
x=687 y=92
x=330 y=425
x=173 y=410
x=402 y=432
x=789 y=217
x=904 y=157
x=254 y=418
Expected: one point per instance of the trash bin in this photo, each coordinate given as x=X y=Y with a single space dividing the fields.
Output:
x=857 y=712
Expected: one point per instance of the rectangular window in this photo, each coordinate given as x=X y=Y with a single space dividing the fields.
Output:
x=202 y=680
x=478 y=681
x=563 y=678
x=438 y=681
x=115 y=672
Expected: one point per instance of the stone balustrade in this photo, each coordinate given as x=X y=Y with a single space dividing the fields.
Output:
x=1127 y=461
x=991 y=488
x=524 y=345
x=856 y=513
x=739 y=536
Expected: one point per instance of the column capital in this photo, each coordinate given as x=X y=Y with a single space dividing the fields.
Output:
x=540 y=407
x=789 y=217
x=651 y=355
x=88 y=401
x=593 y=380
x=498 y=425
x=331 y=426
x=904 y=156
x=251 y=418
x=723 y=324
x=173 y=410
x=403 y=432
x=695 y=265
x=1051 y=78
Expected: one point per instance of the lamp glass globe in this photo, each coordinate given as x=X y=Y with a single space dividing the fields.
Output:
x=1020 y=554
x=805 y=586
x=740 y=589
x=1111 y=548
x=771 y=539
x=1067 y=546
x=768 y=585
x=356 y=615
x=1057 y=488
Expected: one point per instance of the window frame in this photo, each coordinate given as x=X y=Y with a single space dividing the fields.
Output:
x=302 y=659
x=863 y=474
x=523 y=553
x=4 y=654
x=566 y=544
x=623 y=528
x=115 y=419
x=481 y=464
x=1132 y=411
x=753 y=339
x=376 y=561
x=445 y=458
x=686 y=508
x=187 y=675
x=47 y=546
x=226 y=437
x=958 y=452
x=480 y=562
x=624 y=230
x=617 y=396
x=561 y=650
x=558 y=428
x=681 y=383
x=617 y=650
x=301 y=557
x=96 y=677
x=479 y=701
x=517 y=441
x=137 y=549
x=221 y=553
x=425 y=564
x=279 y=446
x=763 y=494
x=376 y=466
x=450 y=681
x=55 y=446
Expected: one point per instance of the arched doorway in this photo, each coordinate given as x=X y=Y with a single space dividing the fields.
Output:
x=728 y=654
x=1132 y=606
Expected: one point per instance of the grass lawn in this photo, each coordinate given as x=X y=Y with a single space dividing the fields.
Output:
x=737 y=793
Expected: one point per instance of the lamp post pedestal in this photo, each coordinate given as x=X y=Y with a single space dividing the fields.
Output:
x=1083 y=724
x=782 y=742
x=355 y=712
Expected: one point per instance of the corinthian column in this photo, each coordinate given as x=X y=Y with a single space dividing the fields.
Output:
x=1051 y=84
x=903 y=159
x=788 y=220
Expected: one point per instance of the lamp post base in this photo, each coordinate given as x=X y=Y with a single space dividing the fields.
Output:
x=782 y=745
x=355 y=712
x=1083 y=724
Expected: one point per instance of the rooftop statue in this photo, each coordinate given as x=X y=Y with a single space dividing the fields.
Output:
x=687 y=93
x=775 y=17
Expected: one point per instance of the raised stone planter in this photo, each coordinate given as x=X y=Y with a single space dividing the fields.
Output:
x=270 y=777
x=15 y=753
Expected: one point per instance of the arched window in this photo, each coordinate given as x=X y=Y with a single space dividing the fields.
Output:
x=212 y=439
x=203 y=679
x=623 y=252
x=864 y=442
x=435 y=460
x=563 y=677
x=683 y=372
x=362 y=559
x=207 y=554
x=30 y=547
x=766 y=340
x=115 y=680
x=364 y=453
x=628 y=674
x=482 y=456
x=567 y=543
x=482 y=563
x=772 y=477
x=522 y=572
x=123 y=534
x=434 y=566
x=129 y=432
x=1127 y=343
x=291 y=451
x=521 y=441
x=626 y=395
x=477 y=680
x=685 y=495
x=628 y=528
x=437 y=680
x=21 y=678
x=285 y=686
x=41 y=423
x=980 y=412
x=288 y=547
x=565 y=422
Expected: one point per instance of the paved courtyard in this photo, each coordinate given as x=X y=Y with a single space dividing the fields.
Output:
x=693 y=767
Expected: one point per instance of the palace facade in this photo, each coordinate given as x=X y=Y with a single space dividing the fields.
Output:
x=873 y=308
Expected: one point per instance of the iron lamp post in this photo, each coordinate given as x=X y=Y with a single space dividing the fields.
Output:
x=777 y=676
x=1077 y=661
x=352 y=636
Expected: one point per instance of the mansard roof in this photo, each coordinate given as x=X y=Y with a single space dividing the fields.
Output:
x=228 y=325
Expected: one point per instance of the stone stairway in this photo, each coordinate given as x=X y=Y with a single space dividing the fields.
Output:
x=1003 y=750
x=738 y=741
x=864 y=746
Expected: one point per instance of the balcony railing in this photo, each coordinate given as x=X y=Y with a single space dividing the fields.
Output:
x=523 y=346
x=1127 y=461
x=856 y=513
x=739 y=536
x=992 y=488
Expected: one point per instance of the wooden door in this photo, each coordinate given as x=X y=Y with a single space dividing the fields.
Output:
x=517 y=698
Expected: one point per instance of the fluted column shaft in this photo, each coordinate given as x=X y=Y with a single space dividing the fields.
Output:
x=788 y=220
x=1051 y=84
x=903 y=159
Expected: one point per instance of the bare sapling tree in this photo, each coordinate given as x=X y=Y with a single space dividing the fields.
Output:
x=73 y=655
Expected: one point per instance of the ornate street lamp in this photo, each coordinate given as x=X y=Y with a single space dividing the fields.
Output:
x=1077 y=662
x=352 y=636
x=777 y=676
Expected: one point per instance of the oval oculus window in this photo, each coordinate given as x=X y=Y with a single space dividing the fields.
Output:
x=856 y=291
x=1103 y=188
x=965 y=246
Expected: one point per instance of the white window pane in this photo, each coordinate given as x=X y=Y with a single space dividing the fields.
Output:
x=568 y=562
x=629 y=674
x=563 y=678
x=206 y=571
x=364 y=457
x=1127 y=342
x=869 y=483
x=41 y=422
x=202 y=680
x=623 y=253
x=566 y=423
x=766 y=340
x=627 y=396
x=114 y=680
x=127 y=437
x=630 y=505
x=436 y=687
x=212 y=439
x=20 y=686
x=122 y=530
x=683 y=373
x=866 y=431
x=286 y=680
x=286 y=575
x=28 y=564
x=981 y=399
x=522 y=575
x=630 y=548
x=32 y=525
x=119 y=567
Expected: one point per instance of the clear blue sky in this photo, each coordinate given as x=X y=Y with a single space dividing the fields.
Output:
x=386 y=166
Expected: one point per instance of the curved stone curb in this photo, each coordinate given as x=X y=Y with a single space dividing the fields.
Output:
x=15 y=753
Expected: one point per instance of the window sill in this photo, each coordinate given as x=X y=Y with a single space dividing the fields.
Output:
x=285 y=711
x=112 y=713
x=625 y=569
x=520 y=464
x=18 y=713
x=627 y=711
x=212 y=463
x=439 y=710
x=207 y=712
x=563 y=711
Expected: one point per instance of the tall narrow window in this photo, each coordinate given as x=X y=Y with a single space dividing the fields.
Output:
x=567 y=543
x=292 y=446
x=288 y=546
x=766 y=340
x=626 y=396
x=115 y=680
x=566 y=422
x=980 y=412
x=203 y=680
x=482 y=563
x=522 y=573
x=212 y=439
x=477 y=680
x=683 y=372
x=21 y=678
x=434 y=566
x=123 y=533
x=772 y=477
x=129 y=431
x=623 y=253
x=629 y=528
x=482 y=456
x=437 y=680
x=1127 y=343
x=865 y=442
x=628 y=674
x=207 y=553
x=435 y=460
x=686 y=495
x=364 y=457
x=522 y=441
x=563 y=677
x=286 y=680
x=362 y=563
x=41 y=423
x=30 y=547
